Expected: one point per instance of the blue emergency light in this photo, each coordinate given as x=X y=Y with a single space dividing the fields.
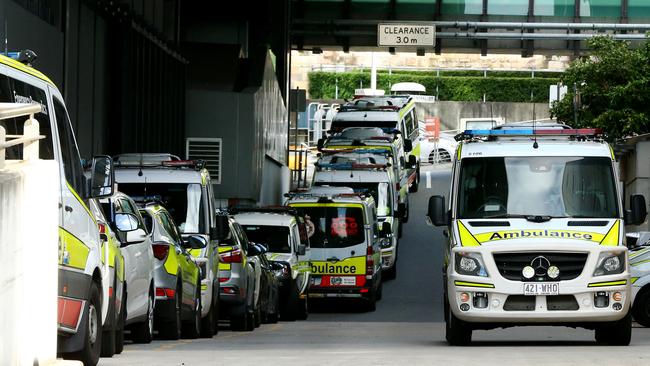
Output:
x=568 y=132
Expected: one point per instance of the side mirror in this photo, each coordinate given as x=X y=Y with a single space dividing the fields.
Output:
x=302 y=249
x=102 y=177
x=320 y=144
x=386 y=228
x=126 y=222
x=401 y=210
x=436 y=214
x=222 y=228
x=253 y=250
x=637 y=213
x=408 y=145
x=196 y=242
x=412 y=162
x=135 y=236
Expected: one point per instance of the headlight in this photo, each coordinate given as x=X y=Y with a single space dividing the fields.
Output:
x=470 y=264
x=610 y=263
x=385 y=242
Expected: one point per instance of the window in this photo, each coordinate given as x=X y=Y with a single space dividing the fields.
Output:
x=408 y=124
x=462 y=7
x=508 y=7
x=169 y=226
x=276 y=238
x=334 y=227
x=600 y=8
x=69 y=152
x=558 y=8
x=15 y=91
x=537 y=186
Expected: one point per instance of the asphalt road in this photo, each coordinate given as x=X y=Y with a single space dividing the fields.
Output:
x=407 y=327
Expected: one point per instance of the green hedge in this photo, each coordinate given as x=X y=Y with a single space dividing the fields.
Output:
x=457 y=88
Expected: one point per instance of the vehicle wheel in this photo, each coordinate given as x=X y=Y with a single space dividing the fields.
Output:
x=239 y=323
x=273 y=317
x=171 y=329
x=89 y=355
x=400 y=230
x=380 y=288
x=371 y=300
x=405 y=219
x=303 y=309
x=618 y=333
x=257 y=316
x=143 y=332
x=641 y=307
x=457 y=332
x=108 y=335
x=119 y=333
x=192 y=328
x=391 y=273
x=416 y=185
x=208 y=323
x=292 y=303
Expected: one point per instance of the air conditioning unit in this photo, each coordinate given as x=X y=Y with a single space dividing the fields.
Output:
x=208 y=150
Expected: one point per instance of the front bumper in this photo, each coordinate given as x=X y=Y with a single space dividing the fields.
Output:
x=388 y=257
x=321 y=287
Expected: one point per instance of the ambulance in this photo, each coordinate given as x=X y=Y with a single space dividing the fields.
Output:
x=536 y=233
x=639 y=244
x=393 y=114
x=372 y=173
x=373 y=140
x=345 y=256
x=30 y=99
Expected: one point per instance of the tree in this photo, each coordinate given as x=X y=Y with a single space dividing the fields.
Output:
x=610 y=89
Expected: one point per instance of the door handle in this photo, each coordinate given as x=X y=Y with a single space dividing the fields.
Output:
x=68 y=208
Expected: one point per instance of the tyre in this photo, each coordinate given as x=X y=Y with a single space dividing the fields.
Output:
x=618 y=333
x=108 y=335
x=405 y=219
x=391 y=273
x=119 y=332
x=292 y=303
x=457 y=332
x=192 y=328
x=171 y=329
x=416 y=185
x=641 y=307
x=303 y=309
x=400 y=230
x=208 y=324
x=239 y=323
x=143 y=332
x=89 y=355
x=371 y=300
x=380 y=289
x=257 y=316
x=273 y=317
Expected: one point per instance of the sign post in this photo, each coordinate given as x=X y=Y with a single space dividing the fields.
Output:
x=419 y=35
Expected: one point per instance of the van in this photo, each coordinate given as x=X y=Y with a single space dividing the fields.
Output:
x=536 y=233
x=345 y=256
x=83 y=288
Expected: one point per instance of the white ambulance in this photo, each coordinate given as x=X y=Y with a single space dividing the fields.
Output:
x=536 y=233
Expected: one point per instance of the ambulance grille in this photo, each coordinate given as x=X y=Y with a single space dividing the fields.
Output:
x=510 y=265
x=208 y=150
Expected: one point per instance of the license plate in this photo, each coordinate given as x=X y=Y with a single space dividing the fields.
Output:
x=534 y=289
x=343 y=281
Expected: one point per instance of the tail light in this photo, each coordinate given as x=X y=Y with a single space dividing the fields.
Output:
x=102 y=232
x=232 y=256
x=160 y=251
x=370 y=261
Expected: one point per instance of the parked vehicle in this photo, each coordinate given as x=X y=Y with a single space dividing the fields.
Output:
x=83 y=294
x=126 y=221
x=440 y=151
x=238 y=276
x=536 y=233
x=283 y=232
x=268 y=302
x=639 y=244
x=185 y=189
x=177 y=276
x=113 y=327
x=345 y=255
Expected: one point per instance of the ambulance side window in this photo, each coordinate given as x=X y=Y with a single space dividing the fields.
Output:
x=69 y=152
x=14 y=91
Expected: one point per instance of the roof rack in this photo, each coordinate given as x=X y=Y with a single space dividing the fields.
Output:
x=368 y=104
x=356 y=151
x=572 y=133
x=271 y=209
x=25 y=57
x=327 y=196
x=194 y=164
x=351 y=166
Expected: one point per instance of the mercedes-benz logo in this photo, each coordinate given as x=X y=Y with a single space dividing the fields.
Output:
x=540 y=265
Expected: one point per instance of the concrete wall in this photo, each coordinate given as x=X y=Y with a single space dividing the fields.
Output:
x=635 y=174
x=451 y=112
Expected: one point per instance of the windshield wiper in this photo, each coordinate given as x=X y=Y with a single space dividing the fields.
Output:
x=538 y=218
x=504 y=216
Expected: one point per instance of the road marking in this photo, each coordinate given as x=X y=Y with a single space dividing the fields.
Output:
x=428 y=179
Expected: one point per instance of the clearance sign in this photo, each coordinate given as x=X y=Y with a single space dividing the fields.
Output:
x=401 y=35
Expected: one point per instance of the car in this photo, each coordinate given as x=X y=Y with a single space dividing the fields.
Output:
x=345 y=254
x=238 y=276
x=283 y=232
x=185 y=189
x=82 y=281
x=268 y=308
x=536 y=233
x=113 y=327
x=438 y=152
x=177 y=276
x=126 y=221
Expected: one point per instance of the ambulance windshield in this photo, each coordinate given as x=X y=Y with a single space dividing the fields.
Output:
x=276 y=238
x=334 y=227
x=183 y=201
x=502 y=187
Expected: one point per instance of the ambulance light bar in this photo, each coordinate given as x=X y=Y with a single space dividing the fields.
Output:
x=351 y=166
x=325 y=196
x=580 y=132
x=356 y=151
